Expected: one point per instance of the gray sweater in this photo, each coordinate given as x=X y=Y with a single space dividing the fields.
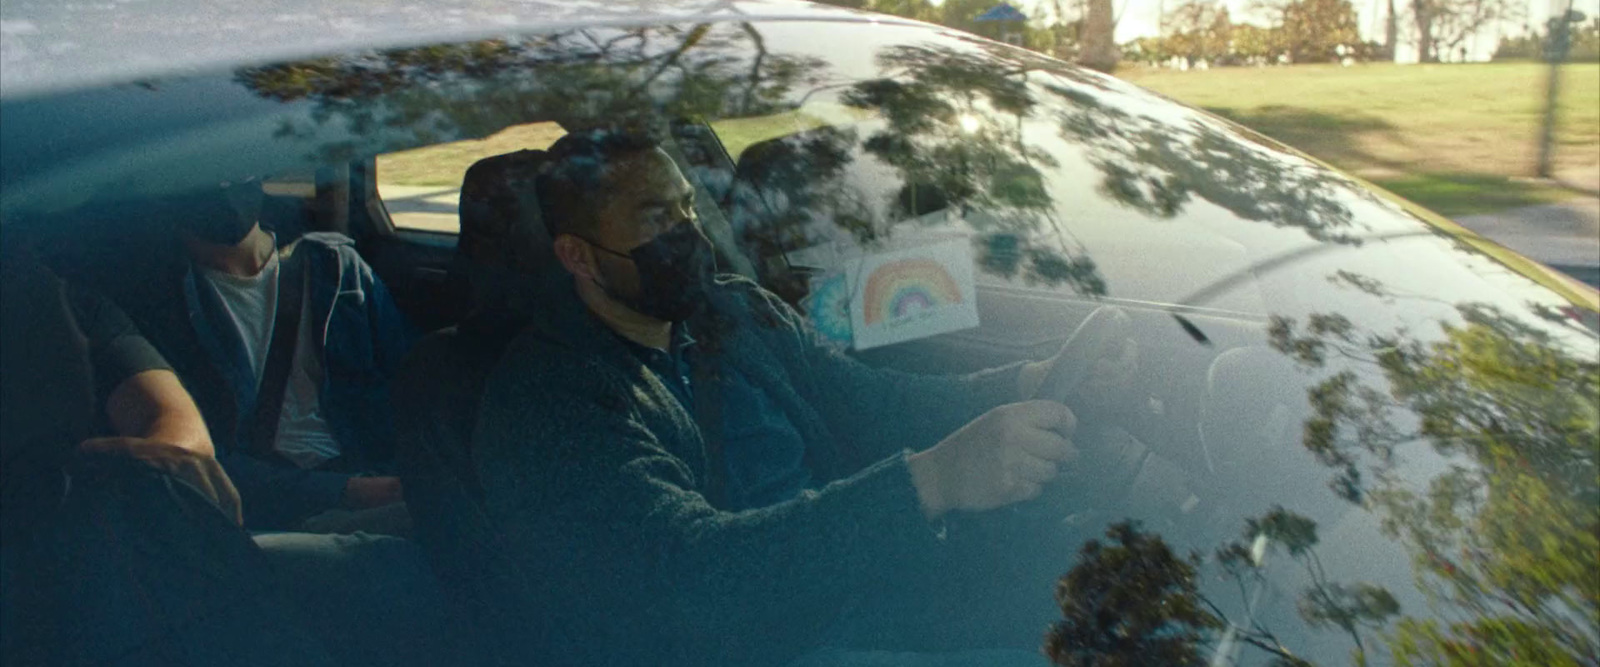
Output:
x=604 y=487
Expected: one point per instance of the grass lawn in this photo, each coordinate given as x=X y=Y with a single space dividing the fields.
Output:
x=1459 y=139
x=446 y=164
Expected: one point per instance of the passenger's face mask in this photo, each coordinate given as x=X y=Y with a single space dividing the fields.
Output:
x=223 y=216
x=674 y=268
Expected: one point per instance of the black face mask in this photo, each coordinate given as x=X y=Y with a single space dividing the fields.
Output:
x=675 y=269
x=223 y=216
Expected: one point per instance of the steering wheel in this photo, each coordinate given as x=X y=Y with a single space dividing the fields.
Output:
x=1089 y=343
x=1104 y=466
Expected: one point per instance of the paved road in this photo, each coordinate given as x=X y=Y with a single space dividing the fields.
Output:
x=426 y=207
x=1564 y=236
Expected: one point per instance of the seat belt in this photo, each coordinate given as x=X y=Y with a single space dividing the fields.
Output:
x=292 y=280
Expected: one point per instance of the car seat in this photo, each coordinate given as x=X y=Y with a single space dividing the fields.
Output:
x=437 y=393
x=506 y=256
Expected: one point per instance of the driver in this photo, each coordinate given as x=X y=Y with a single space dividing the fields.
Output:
x=686 y=477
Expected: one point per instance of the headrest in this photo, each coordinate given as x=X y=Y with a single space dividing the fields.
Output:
x=503 y=239
x=500 y=222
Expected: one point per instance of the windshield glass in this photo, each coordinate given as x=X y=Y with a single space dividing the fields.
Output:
x=1313 y=425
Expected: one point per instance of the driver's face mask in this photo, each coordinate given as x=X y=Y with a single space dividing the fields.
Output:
x=223 y=215
x=675 y=268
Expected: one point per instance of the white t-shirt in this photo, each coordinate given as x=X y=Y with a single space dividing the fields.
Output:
x=251 y=302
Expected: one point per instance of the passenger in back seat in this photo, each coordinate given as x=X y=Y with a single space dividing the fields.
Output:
x=685 y=477
x=289 y=353
x=115 y=551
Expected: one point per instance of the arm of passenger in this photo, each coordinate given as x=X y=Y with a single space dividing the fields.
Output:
x=156 y=420
x=153 y=404
x=596 y=506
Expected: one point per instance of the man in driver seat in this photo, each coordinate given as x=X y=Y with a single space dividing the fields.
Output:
x=686 y=476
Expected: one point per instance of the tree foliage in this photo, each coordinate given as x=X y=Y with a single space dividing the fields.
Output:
x=1159 y=168
x=1444 y=26
x=951 y=132
x=1298 y=31
x=1199 y=30
x=1130 y=601
x=1311 y=31
x=1503 y=539
x=1506 y=538
x=1584 y=44
x=434 y=94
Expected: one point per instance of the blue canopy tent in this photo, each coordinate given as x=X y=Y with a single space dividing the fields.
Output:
x=1008 y=20
x=1001 y=12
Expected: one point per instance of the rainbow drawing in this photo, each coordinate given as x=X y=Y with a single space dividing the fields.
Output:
x=911 y=293
x=898 y=289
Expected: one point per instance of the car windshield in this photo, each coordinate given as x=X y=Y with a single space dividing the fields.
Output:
x=1314 y=424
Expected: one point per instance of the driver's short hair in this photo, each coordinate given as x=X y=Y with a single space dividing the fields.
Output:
x=575 y=180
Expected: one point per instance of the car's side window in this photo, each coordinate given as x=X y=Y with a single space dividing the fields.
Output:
x=421 y=187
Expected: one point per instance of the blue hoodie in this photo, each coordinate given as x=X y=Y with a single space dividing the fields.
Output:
x=363 y=340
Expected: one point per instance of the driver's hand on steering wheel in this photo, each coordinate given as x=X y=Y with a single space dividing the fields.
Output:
x=1004 y=456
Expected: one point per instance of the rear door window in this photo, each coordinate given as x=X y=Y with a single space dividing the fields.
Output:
x=421 y=187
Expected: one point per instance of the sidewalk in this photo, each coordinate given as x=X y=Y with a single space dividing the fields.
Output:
x=423 y=207
x=1564 y=236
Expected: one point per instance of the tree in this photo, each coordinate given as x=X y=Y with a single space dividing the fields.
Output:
x=433 y=94
x=1149 y=50
x=959 y=14
x=1131 y=601
x=1199 y=30
x=1135 y=601
x=1391 y=30
x=1504 y=541
x=1310 y=31
x=1443 y=26
x=1159 y=168
x=1584 y=40
x=1314 y=29
x=920 y=10
x=1255 y=43
x=952 y=134
x=1099 y=50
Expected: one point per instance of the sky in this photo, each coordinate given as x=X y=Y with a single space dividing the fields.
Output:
x=1139 y=18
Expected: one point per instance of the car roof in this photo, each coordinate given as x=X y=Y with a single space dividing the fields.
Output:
x=50 y=45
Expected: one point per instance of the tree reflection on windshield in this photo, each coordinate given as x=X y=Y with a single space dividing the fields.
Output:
x=1502 y=536
x=1134 y=601
x=951 y=131
x=954 y=126
x=949 y=125
x=1505 y=538
x=1158 y=167
x=441 y=93
x=1131 y=601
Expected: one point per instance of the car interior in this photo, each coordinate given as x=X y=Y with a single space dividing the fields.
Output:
x=1163 y=397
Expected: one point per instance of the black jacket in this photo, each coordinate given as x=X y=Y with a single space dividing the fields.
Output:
x=605 y=486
